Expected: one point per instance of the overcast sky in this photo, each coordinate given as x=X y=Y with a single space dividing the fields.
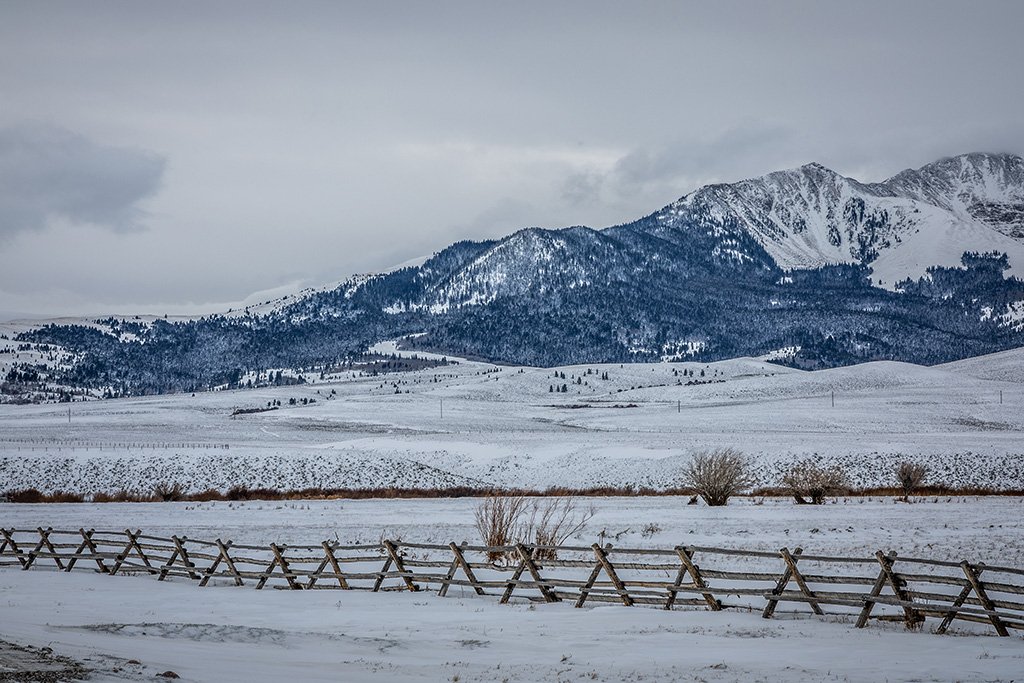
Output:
x=171 y=157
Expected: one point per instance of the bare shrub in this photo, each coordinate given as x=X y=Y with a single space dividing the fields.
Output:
x=809 y=482
x=911 y=477
x=717 y=475
x=552 y=521
x=169 y=492
x=499 y=522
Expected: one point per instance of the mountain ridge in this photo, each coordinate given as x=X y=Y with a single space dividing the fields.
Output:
x=807 y=265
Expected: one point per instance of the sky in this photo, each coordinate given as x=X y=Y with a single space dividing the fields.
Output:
x=185 y=157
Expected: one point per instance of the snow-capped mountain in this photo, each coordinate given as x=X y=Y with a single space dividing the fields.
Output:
x=988 y=188
x=804 y=265
x=810 y=216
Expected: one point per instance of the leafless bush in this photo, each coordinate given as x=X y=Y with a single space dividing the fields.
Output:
x=499 y=521
x=554 y=520
x=169 y=492
x=717 y=475
x=809 y=482
x=911 y=477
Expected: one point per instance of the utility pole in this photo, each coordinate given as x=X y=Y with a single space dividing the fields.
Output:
x=69 y=409
x=833 y=398
x=1000 y=397
x=679 y=406
x=442 y=408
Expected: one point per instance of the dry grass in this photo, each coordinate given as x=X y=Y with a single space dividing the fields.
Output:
x=32 y=495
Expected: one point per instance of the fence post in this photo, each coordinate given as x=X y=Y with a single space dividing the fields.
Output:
x=979 y=588
x=87 y=543
x=602 y=558
x=399 y=565
x=686 y=557
x=459 y=561
x=799 y=578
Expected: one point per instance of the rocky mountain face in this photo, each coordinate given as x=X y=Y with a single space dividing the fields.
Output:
x=831 y=270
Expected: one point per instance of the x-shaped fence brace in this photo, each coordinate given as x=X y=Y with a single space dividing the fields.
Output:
x=180 y=556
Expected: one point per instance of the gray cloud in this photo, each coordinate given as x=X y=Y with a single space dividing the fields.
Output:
x=49 y=173
x=317 y=139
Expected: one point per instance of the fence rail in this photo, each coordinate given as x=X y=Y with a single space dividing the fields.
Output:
x=884 y=587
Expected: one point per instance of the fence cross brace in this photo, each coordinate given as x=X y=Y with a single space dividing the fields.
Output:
x=44 y=541
x=886 y=575
x=87 y=542
x=329 y=558
x=585 y=590
x=459 y=561
x=605 y=563
x=179 y=552
x=9 y=541
x=791 y=573
x=986 y=602
x=222 y=554
x=392 y=551
x=526 y=563
x=686 y=558
x=133 y=544
x=269 y=571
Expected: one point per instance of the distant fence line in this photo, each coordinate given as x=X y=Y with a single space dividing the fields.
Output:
x=863 y=588
x=58 y=445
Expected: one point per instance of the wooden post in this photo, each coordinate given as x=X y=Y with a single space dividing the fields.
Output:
x=602 y=557
x=673 y=592
x=459 y=561
x=886 y=575
x=380 y=576
x=511 y=585
x=876 y=590
x=960 y=600
x=972 y=576
x=799 y=578
x=397 y=560
x=87 y=542
x=9 y=541
x=769 y=609
x=531 y=566
x=222 y=549
x=133 y=544
x=179 y=552
x=44 y=541
x=329 y=558
x=686 y=557
x=283 y=563
x=585 y=591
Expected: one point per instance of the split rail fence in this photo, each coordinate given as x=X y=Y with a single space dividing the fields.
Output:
x=882 y=587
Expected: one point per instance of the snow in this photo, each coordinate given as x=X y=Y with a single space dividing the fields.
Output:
x=223 y=632
x=503 y=426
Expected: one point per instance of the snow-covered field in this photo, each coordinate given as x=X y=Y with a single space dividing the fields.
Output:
x=221 y=633
x=480 y=424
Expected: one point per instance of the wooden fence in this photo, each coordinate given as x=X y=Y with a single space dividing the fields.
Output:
x=882 y=587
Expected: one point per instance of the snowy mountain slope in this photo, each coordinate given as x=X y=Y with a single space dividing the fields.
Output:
x=805 y=266
x=988 y=188
x=1005 y=366
x=810 y=216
